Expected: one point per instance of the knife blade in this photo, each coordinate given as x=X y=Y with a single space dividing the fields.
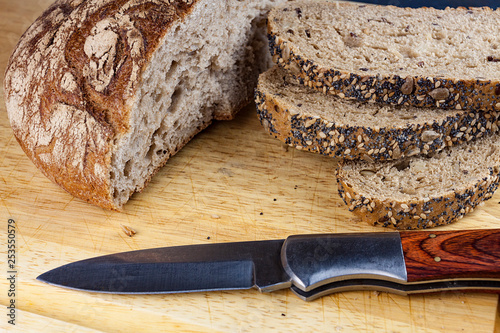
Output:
x=310 y=265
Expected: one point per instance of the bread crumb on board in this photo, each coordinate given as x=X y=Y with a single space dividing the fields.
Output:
x=128 y=230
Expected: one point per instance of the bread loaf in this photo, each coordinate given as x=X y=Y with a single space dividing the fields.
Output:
x=422 y=192
x=100 y=93
x=309 y=120
x=423 y=57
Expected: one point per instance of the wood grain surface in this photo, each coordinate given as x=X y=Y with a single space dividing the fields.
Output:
x=233 y=182
x=434 y=255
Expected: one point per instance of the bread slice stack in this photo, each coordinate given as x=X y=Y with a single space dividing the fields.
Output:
x=407 y=99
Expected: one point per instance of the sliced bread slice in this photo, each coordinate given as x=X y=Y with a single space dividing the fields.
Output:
x=309 y=120
x=422 y=57
x=422 y=192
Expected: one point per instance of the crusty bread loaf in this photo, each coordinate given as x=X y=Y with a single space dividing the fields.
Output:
x=422 y=57
x=309 y=120
x=100 y=93
x=421 y=192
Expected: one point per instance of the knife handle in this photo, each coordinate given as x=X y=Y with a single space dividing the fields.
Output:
x=441 y=255
x=406 y=262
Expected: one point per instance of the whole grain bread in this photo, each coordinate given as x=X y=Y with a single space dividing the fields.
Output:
x=424 y=57
x=309 y=120
x=421 y=192
x=100 y=93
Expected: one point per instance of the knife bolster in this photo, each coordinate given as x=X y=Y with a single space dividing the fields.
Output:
x=315 y=260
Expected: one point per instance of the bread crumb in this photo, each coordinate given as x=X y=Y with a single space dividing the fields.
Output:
x=128 y=230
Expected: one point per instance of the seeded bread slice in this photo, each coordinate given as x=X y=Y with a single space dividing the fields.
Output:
x=422 y=192
x=101 y=93
x=309 y=120
x=422 y=57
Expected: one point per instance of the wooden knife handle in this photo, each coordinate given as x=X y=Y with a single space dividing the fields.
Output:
x=437 y=255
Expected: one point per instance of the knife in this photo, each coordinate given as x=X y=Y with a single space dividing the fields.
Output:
x=311 y=266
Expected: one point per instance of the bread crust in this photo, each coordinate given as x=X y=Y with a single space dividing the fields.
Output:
x=329 y=137
x=418 y=213
x=72 y=80
x=475 y=101
x=414 y=90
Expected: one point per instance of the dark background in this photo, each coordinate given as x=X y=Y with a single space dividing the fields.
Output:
x=440 y=4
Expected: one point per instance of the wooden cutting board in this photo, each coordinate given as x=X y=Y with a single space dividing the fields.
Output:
x=233 y=182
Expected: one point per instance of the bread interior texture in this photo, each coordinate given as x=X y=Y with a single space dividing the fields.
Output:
x=389 y=40
x=308 y=102
x=450 y=171
x=198 y=74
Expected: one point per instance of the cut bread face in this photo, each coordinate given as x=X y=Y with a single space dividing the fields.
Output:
x=100 y=94
x=421 y=192
x=195 y=76
x=309 y=120
x=425 y=57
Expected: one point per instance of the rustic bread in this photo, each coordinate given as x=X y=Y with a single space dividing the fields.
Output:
x=309 y=120
x=421 y=192
x=100 y=93
x=422 y=57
